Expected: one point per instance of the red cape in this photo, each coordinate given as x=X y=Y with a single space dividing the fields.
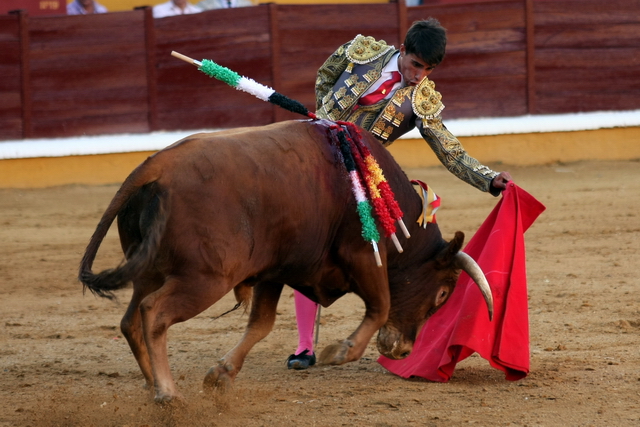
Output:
x=462 y=326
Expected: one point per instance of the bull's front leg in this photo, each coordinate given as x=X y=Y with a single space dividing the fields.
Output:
x=261 y=319
x=372 y=286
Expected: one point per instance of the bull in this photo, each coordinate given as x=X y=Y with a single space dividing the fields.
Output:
x=253 y=209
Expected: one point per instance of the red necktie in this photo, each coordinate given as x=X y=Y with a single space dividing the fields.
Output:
x=382 y=91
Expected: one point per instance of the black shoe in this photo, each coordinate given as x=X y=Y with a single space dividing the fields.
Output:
x=301 y=361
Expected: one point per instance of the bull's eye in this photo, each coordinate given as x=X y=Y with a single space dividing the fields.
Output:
x=441 y=296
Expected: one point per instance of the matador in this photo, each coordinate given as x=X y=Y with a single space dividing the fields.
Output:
x=387 y=92
x=352 y=71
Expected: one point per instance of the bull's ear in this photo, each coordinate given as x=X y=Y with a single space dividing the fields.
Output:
x=447 y=255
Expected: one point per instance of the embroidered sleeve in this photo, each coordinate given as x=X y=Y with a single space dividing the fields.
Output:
x=453 y=156
x=427 y=105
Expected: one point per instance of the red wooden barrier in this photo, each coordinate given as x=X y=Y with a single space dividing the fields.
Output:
x=484 y=72
x=11 y=101
x=587 y=55
x=113 y=73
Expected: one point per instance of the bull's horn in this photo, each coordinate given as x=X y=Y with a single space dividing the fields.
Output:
x=471 y=267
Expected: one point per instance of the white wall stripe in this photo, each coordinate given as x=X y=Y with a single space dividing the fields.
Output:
x=124 y=143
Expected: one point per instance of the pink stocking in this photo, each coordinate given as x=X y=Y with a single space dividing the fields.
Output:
x=306 y=317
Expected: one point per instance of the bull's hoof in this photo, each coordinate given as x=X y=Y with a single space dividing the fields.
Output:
x=169 y=399
x=336 y=354
x=397 y=350
x=218 y=379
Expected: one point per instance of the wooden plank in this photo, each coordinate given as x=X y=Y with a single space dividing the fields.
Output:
x=497 y=96
x=187 y=98
x=77 y=31
x=591 y=36
x=560 y=103
x=586 y=12
x=10 y=78
x=217 y=115
x=593 y=59
x=530 y=57
x=486 y=41
x=151 y=67
x=90 y=125
x=26 y=90
x=472 y=17
x=576 y=81
x=403 y=24
x=87 y=72
x=276 y=58
x=481 y=65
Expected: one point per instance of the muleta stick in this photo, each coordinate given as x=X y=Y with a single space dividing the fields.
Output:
x=246 y=84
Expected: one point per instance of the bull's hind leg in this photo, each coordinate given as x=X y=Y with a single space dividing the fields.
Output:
x=261 y=320
x=131 y=325
x=178 y=300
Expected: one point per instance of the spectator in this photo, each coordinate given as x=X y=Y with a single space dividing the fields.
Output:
x=223 y=4
x=173 y=8
x=85 y=7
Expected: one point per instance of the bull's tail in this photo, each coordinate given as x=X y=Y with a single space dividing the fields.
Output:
x=140 y=256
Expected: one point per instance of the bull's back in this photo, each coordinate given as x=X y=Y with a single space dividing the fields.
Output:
x=291 y=162
x=278 y=190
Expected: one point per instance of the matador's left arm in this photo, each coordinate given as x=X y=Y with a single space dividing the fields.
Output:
x=453 y=156
x=427 y=105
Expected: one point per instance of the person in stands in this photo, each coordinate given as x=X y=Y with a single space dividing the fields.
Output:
x=85 y=7
x=174 y=8
x=224 y=4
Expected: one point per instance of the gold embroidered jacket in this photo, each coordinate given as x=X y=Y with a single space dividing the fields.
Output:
x=353 y=68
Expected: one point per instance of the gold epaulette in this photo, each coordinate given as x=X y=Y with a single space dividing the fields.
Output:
x=426 y=100
x=363 y=50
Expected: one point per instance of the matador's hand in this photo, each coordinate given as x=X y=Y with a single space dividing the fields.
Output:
x=500 y=181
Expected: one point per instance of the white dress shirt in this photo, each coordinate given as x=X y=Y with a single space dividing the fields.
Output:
x=385 y=75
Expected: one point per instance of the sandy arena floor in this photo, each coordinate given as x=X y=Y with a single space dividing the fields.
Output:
x=63 y=361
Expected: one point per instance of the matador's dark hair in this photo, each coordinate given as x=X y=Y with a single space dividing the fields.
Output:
x=428 y=40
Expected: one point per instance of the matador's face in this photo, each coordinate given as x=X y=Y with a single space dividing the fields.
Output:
x=412 y=67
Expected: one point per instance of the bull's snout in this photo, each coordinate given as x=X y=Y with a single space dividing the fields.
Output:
x=392 y=344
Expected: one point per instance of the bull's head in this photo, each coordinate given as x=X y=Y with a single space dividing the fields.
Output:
x=421 y=291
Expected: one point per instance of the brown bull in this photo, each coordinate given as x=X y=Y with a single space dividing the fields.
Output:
x=258 y=208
